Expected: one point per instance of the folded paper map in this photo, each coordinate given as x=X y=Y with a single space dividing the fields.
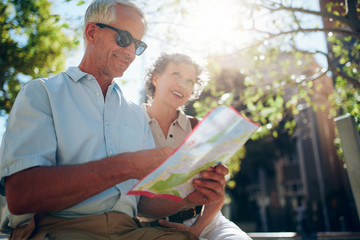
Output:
x=217 y=137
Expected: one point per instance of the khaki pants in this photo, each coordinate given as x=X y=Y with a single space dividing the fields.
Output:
x=104 y=226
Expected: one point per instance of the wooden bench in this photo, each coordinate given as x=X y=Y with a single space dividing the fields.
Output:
x=338 y=235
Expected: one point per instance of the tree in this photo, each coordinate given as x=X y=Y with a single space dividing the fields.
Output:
x=278 y=29
x=33 y=44
x=274 y=64
x=286 y=26
x=342 y=28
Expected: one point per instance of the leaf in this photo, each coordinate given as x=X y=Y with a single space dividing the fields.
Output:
x=348 y=38
x=65 y=25
x=275 y=134
x=309 y=84
x=343 y=60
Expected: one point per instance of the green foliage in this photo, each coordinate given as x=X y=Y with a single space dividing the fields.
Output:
x=33 y=44
x=78 y=2
x=344 y=92
x=279 y=76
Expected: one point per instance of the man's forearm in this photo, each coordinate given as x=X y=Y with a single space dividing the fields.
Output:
x=51 y=189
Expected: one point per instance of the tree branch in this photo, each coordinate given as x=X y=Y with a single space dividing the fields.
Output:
x=335 y=30
x=302 y=10
x=332 y=69
x=352 y=80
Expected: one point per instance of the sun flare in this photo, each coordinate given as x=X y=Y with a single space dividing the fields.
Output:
x=215 y=26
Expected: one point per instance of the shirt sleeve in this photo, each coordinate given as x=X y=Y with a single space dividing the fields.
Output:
x=29 y=139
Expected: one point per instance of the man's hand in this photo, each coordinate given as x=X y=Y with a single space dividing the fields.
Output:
x=209 y=188
x=203 y=220
x=148 y=160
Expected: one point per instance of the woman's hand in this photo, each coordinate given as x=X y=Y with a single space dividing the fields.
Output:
x=181 y=227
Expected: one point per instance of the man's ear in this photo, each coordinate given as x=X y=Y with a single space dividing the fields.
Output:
x=90 y=30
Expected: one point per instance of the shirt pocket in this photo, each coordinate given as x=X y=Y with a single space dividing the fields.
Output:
x=130 y=139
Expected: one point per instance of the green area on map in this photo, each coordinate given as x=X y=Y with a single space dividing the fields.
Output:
x=175 y=179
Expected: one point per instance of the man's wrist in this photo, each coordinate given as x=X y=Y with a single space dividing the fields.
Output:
x=186 y=204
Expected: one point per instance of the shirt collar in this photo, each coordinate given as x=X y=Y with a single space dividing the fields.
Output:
x=76 y=74
x=181 y=120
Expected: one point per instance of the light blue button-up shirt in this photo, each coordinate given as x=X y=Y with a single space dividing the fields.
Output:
x=65 y=120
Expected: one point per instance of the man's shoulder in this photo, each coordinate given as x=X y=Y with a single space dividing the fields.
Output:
x=57 y=81
x=46 y=80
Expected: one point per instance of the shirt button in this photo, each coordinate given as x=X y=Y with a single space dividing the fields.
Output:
x=88 y=77
x=106 y=123
x=171 y=135
x=110 y=152
x=97 y=94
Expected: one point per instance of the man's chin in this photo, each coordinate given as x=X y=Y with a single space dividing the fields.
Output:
x=118 y=75
x=121 y=72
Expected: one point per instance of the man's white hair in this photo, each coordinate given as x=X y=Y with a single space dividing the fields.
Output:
x=103 y=11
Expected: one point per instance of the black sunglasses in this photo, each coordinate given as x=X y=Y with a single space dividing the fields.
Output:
x=124 y=39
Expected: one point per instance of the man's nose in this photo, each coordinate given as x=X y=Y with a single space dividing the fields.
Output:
x=130 y=50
